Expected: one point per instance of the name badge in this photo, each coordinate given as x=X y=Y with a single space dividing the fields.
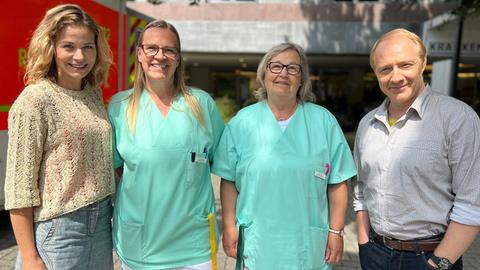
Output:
x=320 y=175
x=323 y=175
x=200 y=159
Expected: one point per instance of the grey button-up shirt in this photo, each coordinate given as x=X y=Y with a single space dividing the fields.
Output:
x=416 y=176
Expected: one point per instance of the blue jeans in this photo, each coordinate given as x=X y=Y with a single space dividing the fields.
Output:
x=80 y=240
x=376 y=256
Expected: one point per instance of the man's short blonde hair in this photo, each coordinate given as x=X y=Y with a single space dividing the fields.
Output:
x=404 y=32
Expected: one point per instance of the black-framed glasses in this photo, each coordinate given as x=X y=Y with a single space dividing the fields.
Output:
x=152 y=50
x=277 y=67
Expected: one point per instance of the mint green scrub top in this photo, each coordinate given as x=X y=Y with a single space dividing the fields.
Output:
x=282 y=180
x=165 y=194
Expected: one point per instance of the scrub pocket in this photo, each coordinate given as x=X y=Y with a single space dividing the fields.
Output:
x=198 y=167
x=319 y=188
x=131 y=240
x=317 y=194
x=316 y=248
x=322 y=171
x=201 y=232
x=247 y=245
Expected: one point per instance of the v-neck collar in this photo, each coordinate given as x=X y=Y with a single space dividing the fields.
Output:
x=274 y=139
x=146 y=101
x=273 y=120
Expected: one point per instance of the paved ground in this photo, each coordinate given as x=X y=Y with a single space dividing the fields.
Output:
x=8 y=248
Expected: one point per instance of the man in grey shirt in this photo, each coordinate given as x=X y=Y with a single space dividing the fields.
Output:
x=417 y=193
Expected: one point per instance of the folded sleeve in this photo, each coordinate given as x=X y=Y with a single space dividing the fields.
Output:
x=226 y=157
x=217 y=126
x=464 y=160
x=342 y=166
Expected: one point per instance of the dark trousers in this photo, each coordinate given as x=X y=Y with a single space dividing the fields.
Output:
x=376 y=256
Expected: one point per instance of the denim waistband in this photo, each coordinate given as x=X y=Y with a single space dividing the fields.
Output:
x=100 y=203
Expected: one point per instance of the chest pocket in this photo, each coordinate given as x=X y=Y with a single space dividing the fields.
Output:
x=319 y=176
x=198 y=168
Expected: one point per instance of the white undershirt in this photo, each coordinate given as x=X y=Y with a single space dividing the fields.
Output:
x=284 y=123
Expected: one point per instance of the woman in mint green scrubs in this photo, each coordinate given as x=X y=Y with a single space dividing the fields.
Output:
x=165 y=137
x=284 y=162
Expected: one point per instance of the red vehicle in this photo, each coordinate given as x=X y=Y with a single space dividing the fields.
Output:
x=16 y=28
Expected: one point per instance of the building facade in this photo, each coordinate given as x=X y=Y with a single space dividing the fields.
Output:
x=223 y=42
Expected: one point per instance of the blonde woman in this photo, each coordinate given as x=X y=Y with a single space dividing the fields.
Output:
x=166 y=134
x=59 y=166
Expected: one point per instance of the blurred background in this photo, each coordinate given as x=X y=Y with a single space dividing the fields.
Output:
x=224 y=40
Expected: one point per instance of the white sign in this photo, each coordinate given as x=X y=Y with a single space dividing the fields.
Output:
x=440 y=37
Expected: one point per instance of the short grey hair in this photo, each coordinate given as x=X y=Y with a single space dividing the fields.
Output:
x=305 y=92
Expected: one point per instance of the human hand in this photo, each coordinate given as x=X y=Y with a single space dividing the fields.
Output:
x=334 y=250
x=362 y=239
x=230 y=241
x=432 y=264
x=34 y=263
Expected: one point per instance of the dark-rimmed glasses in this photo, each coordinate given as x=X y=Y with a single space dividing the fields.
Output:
x=152 y=50
x=277 y=67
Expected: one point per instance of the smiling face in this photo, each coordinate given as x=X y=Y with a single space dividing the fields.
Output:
x=161 y=66
x=283 y=85
x=399 y=68
x=75 y=55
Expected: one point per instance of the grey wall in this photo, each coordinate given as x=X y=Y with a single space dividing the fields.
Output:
x=258 y=37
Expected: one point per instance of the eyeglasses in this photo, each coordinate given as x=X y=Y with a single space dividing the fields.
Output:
x=277 y=68
x=152 y=50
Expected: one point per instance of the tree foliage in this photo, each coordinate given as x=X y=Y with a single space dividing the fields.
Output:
x=467 y=8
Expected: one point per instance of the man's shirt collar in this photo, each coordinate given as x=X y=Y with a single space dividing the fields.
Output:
x=417 y=107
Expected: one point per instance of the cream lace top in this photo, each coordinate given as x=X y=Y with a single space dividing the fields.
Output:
x=59 y=150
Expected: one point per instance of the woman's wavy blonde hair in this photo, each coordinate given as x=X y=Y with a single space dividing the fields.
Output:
x=41 y=51
x=305 y=92
x=178 y=80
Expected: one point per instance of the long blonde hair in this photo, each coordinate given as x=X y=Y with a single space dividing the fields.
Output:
x=178 y=80
x=40 y=56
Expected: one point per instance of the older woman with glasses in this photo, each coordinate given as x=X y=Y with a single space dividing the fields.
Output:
x=283 y=163
x=165 y=137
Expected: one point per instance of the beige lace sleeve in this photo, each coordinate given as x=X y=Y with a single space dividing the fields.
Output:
x=27 y=129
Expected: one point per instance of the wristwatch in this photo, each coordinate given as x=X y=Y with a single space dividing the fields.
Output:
x=442 y=263
x=337 y=232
